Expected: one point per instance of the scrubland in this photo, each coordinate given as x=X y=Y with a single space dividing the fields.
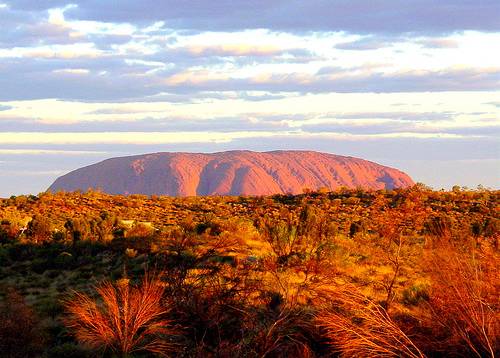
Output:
x=350 y=273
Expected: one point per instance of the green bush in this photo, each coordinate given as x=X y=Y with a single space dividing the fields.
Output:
x=49 y=307
x=415 y=294
x=40 y=265
x=67 y=350
x=64 y=261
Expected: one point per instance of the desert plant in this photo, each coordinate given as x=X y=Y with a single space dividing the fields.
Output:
x=464 y=297
x=126 y=319
x=287 y=334
x=39 y=229
x=415 y=294
x=19 y=327
x=358 y=327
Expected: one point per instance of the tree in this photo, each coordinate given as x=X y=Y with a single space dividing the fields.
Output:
x=39 y=229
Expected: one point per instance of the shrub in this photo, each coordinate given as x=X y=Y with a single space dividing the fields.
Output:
x=39 y=229
x=127 y=318
x=288 y=333
x=64 y=261
x=66 y=350
x=358 y=327
x=4 y=236
x=19 y=328
x=464 y=297
x=415 y=294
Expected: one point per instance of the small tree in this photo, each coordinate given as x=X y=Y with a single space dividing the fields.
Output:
x=39 y=229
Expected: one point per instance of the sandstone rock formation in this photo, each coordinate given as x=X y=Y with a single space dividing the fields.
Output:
x=230 y=173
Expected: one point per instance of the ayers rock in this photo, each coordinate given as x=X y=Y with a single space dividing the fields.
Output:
x=230 y=173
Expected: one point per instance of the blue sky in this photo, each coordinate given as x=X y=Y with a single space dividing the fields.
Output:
x=411 y=84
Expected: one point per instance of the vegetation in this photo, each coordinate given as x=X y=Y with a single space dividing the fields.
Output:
x=394 y=273
x=128 y=320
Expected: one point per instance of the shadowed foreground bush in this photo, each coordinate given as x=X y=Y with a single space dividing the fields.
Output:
x=465 y=298
x=124 y=320
x=19 y=328
x=359 y=327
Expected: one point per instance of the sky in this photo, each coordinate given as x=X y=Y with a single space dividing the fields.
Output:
x=413 y=84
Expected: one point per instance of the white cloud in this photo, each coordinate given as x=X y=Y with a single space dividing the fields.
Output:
x=159 y=138
x=124 y=137
x=65 y=52
x=73 y=71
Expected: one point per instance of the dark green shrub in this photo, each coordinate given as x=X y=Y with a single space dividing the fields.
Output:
x=208 y=227
x=19 y=328
x=67 y=350
x=40 y=265
x=19 y=252
x=52 y=273
x=49 y=307
x=58 y=236
x=4 y=236
x=415 y=294
x=64 y=261
x=4 y=256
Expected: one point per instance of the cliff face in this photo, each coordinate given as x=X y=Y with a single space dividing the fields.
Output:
x=230 y=173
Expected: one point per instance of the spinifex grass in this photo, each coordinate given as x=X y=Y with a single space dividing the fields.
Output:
x=125 y=318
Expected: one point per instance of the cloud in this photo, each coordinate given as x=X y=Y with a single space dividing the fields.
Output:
x=144 y=64
x=490 y=131
x=401 y=116
x=233 y=50
x=122 y=110
x=15 y=138
x=357 y=16
x=404 y=130
x=368 y=43
x=115 y=120
x=73 y=71
x=126 y=77
x=22 y=29
x=249 y=122
x=378 y=41
x=462 y=79
x=179 y=137
x=436 y=43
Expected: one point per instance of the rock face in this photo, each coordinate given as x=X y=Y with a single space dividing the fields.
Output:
x=230 y=173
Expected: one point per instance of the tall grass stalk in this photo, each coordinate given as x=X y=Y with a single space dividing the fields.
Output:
x=124 y=319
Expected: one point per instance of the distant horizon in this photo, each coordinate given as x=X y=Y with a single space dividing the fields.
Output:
x=410 y=86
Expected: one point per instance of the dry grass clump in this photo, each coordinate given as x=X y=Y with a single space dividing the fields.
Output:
x=465 y=298
x=287 y=335
x=359 y=327
x=124 y=319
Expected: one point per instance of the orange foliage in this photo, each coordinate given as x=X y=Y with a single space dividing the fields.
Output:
x=127 y=318
x=359 y=327
x=465 y=298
